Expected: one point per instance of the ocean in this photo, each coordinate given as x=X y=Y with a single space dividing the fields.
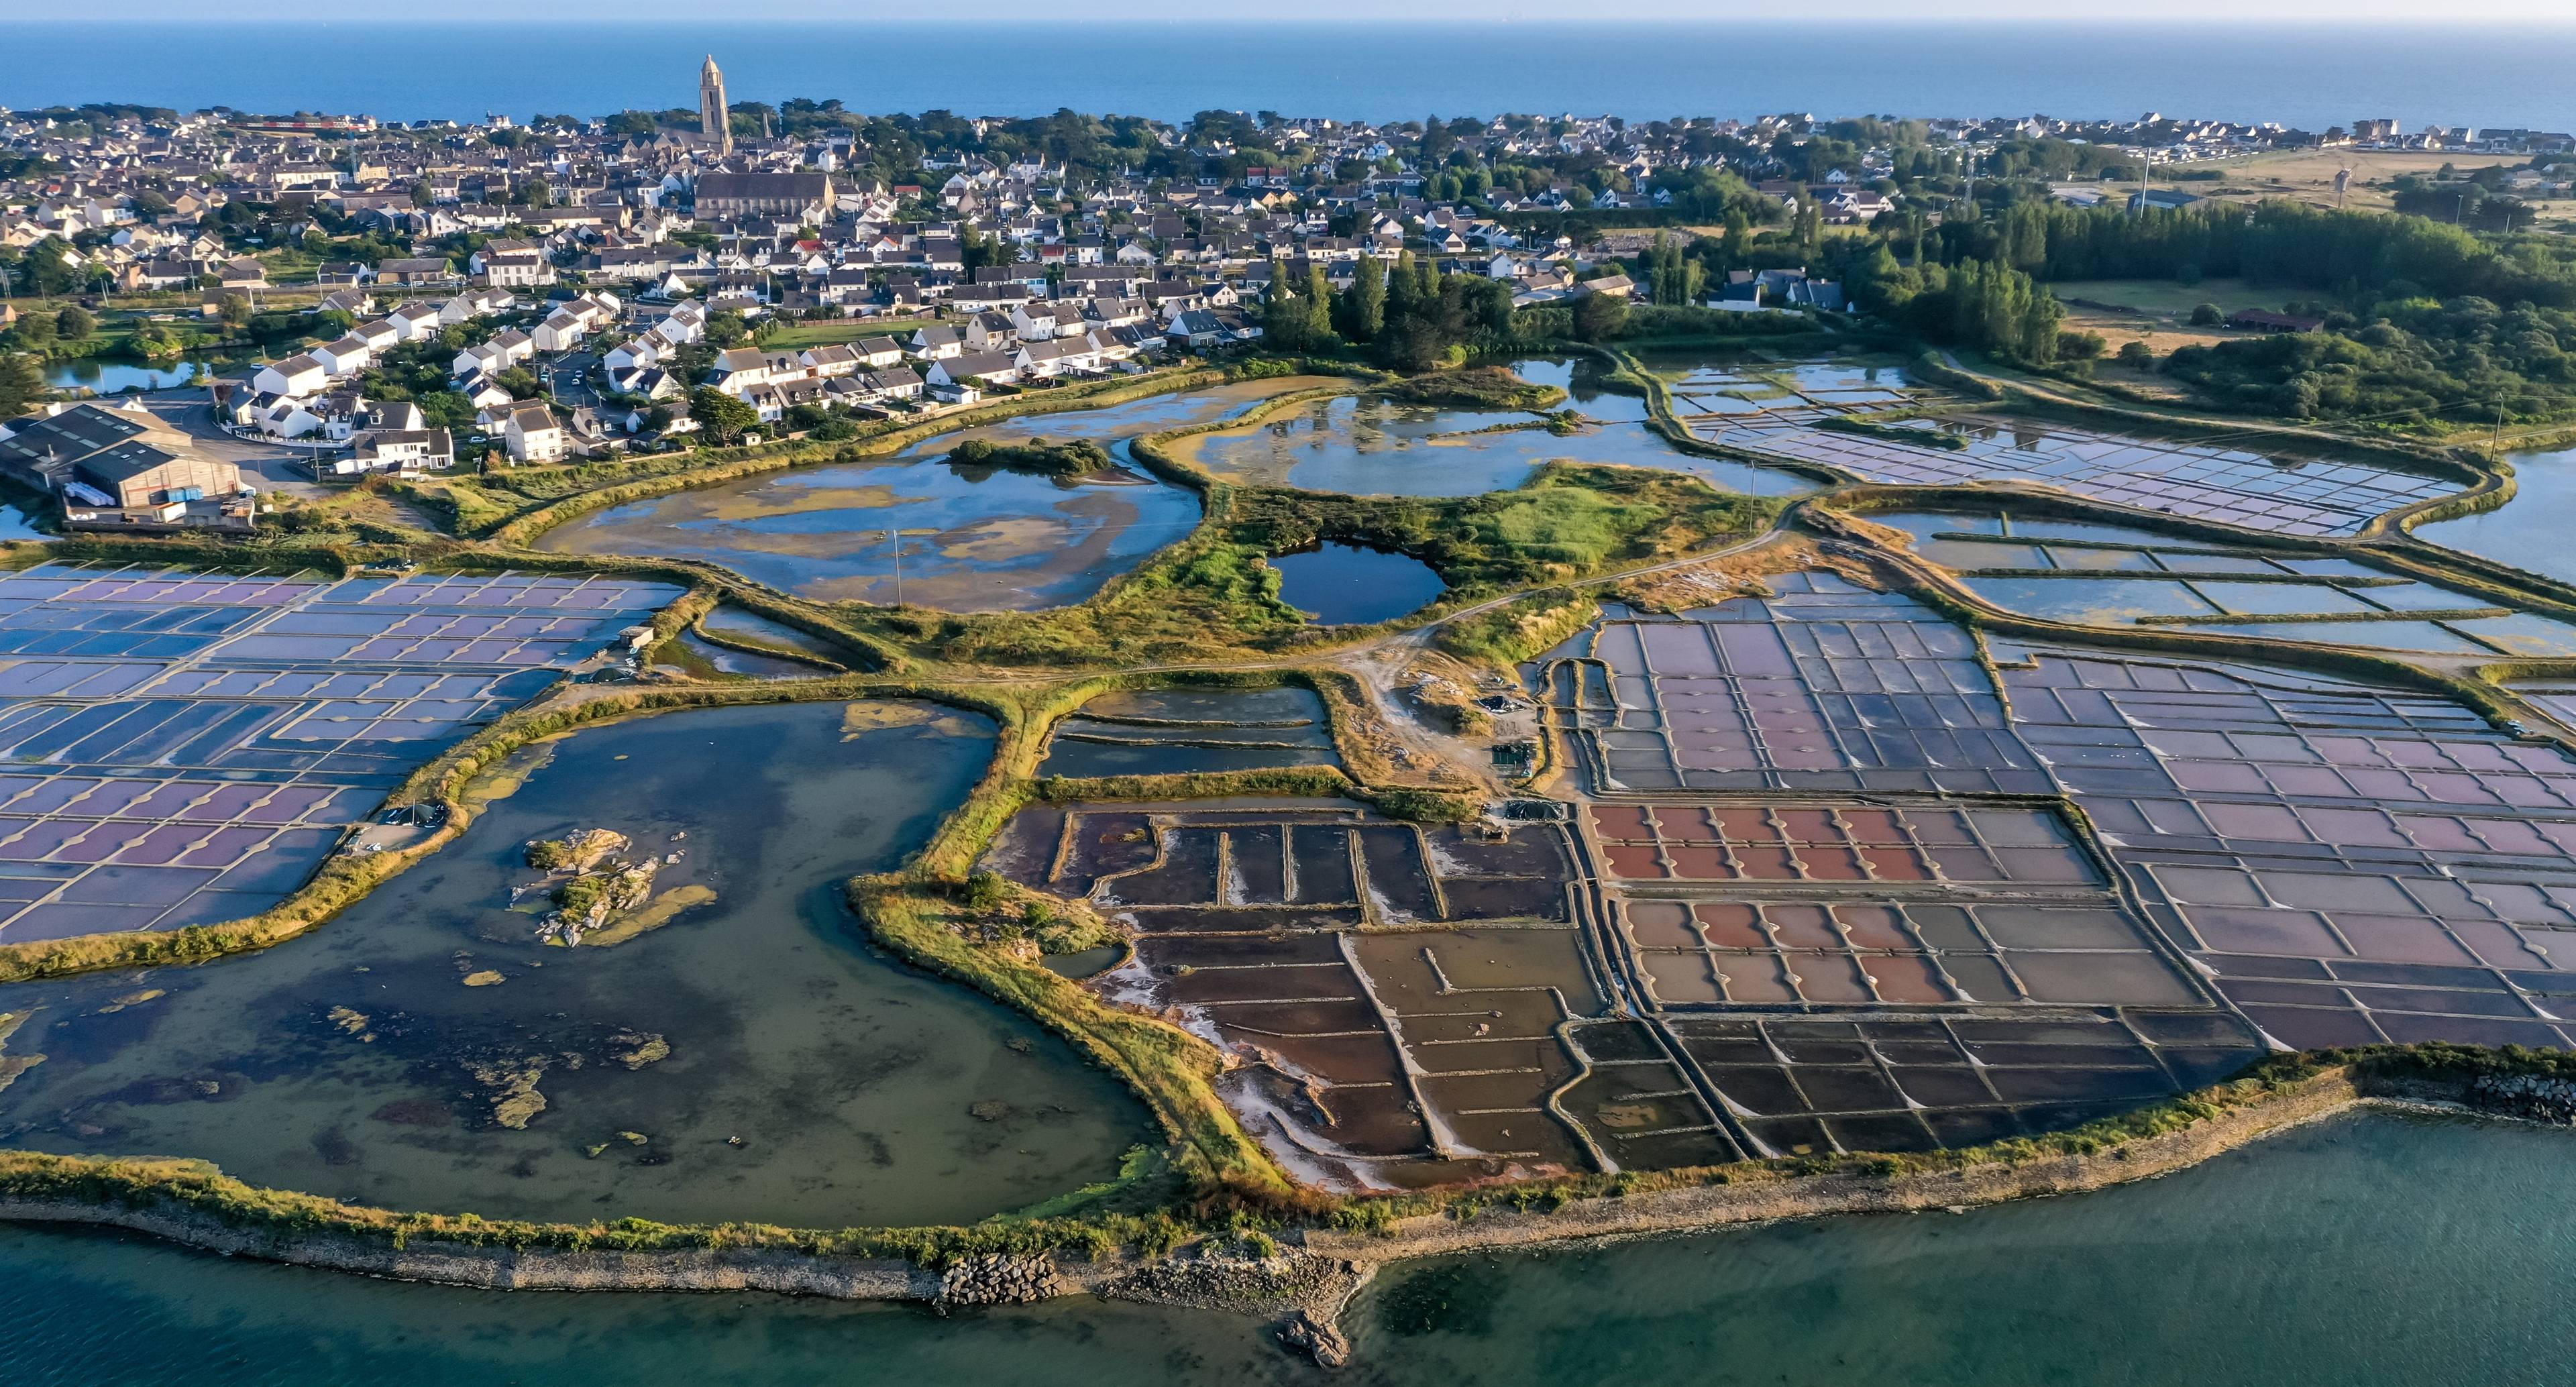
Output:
x=2311 y=78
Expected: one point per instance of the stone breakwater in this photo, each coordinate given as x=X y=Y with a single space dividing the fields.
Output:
x=1318 y=1270
x=2526 y=1096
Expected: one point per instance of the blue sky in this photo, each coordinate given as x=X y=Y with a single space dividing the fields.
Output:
x=2338 y=13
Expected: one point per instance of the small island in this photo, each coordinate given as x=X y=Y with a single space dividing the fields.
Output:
x=599 y=897
x=1075 y=457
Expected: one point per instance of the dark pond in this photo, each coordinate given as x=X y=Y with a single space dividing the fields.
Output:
x=371 y=1060
x=1346 y=585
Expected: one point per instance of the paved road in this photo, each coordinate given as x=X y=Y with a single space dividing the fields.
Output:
x=266 y=466
x=568 y=380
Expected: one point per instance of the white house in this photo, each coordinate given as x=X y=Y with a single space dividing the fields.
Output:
x=972 y=368
x=345 y=357
x=533 y=434
x=296 y=375
x=560 y=332
x=633 y=353
x=400 y=450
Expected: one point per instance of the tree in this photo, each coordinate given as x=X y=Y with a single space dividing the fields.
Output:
x=233 y=309
x=35 y=331
x=421 y=196
x=722 y=419
x=2207 y=315
x=74 y=324
x=1364 y=303
x=2137 y=355
x=1674 y=277
x=1600 y=317
x=21 y=384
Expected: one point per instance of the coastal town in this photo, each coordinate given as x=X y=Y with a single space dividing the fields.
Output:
x=424 y=296
x=1243 y=713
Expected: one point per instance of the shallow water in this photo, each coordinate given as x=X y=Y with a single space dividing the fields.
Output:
x=2530 y=531
x=1346 y=585
x=975 y=539
x=736 y=621
x=2361 y=1252
x=724 y=659
x=1367 y=445
x=847 y=1077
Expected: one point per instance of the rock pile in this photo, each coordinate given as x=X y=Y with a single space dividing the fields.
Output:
x=2526 y=1096
x=996 y=1278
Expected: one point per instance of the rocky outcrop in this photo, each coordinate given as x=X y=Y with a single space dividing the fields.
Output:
x=1316 y=1337
x=996 y=1278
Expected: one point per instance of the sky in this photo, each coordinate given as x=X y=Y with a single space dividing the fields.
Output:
x=2335 y=13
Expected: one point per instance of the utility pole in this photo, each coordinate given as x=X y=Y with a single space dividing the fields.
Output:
x=2495 y=440
x=897 y=537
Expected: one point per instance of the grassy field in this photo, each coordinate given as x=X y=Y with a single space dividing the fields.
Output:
x=798 y=336
x=2308 y=175
x=2162 y=321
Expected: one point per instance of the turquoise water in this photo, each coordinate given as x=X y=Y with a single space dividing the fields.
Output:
x=2365 y=1252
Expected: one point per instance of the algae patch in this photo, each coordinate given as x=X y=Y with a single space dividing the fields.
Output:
x=513 y=1090
x=858 y=719
x=488 y=977
x=660 y=911
x=11 y=1066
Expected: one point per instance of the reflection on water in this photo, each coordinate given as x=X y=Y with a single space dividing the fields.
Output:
x=979 y=540
x=2530 y=531
x=1372 y=446
x=1346 y=585
x=14 y=524
x=2363 y=1252
x=973 y=539
x=112 y=377
x=371 y=1059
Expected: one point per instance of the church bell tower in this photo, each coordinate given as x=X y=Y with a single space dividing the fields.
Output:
x=712 y=120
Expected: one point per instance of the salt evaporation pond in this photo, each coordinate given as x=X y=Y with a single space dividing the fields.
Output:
x=1177 y=731
x=1347 y=585
x=2253 y=1270
x=360 y=1062
x=2117 y=575
x=973 y=539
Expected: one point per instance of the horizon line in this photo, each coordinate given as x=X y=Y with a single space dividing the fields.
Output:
x=2333 y=24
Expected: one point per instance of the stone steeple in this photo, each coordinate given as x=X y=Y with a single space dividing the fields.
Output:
x=712 y=120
